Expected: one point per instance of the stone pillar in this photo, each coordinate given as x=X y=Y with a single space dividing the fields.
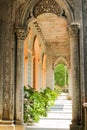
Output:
x=84 y=63
x=84 y=14
x=21 y=35
x=53 y=78
x=7 y=80
x=74 y=59
x=50 y=73
x=70 y=83
x=85 y=113
x=39 y=76
x=7 y=61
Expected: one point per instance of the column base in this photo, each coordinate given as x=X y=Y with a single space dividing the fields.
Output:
x=6 y=122
x=20 y=127
x=76 y=127
x=7 y=127
x=12 y=127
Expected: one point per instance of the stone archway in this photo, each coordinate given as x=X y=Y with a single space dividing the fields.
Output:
x=20 y=13
x=62 y=17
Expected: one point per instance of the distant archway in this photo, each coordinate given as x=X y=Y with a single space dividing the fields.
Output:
x=61 y=60
x=61 y=75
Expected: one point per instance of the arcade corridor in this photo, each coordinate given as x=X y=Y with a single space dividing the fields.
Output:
x=35 y=36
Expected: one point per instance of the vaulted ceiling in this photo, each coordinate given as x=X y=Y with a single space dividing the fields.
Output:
x=53 y=30
x=52 y=24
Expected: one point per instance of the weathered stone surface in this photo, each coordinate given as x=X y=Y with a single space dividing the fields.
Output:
x=17 y=12
x=74 y=43
x=21 y=35
x=7 y=59
x=85 y=43
x=6 y=127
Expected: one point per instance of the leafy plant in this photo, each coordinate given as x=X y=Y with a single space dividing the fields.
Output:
x=37 y=104
x=58 y=89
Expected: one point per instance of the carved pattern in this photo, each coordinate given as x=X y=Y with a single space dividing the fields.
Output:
x=73 y=31
x=21 y=33
x=47 y=6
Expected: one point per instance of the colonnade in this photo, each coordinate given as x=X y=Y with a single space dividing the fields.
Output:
x=74 y=72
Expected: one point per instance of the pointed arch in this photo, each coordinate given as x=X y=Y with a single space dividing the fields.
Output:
x=61 y=60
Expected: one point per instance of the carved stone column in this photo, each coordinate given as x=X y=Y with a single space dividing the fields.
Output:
x=74 y=59
x=21 y=35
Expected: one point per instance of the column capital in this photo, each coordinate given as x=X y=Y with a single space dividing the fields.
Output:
x=73 y=31
x=21 y=33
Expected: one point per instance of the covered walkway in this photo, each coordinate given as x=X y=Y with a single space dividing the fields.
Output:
x=59 y=117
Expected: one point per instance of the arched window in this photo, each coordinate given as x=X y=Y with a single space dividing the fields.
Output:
x=36 y=60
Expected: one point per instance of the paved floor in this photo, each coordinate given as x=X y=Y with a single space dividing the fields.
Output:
x=59 y=116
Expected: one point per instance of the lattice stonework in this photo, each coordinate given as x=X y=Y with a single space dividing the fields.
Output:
x=47 y=6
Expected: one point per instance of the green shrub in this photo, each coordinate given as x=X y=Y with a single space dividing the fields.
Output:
x=58 y=89
x=37 y=104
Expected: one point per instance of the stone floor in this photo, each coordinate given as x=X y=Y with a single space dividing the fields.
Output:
x=59 y=116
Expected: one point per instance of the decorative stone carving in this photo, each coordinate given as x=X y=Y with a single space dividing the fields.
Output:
x=47 y=6
x=73 y=31
x=21 y=33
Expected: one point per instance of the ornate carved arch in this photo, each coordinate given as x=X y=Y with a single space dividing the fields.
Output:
x=32 y=8
x=47 y=6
